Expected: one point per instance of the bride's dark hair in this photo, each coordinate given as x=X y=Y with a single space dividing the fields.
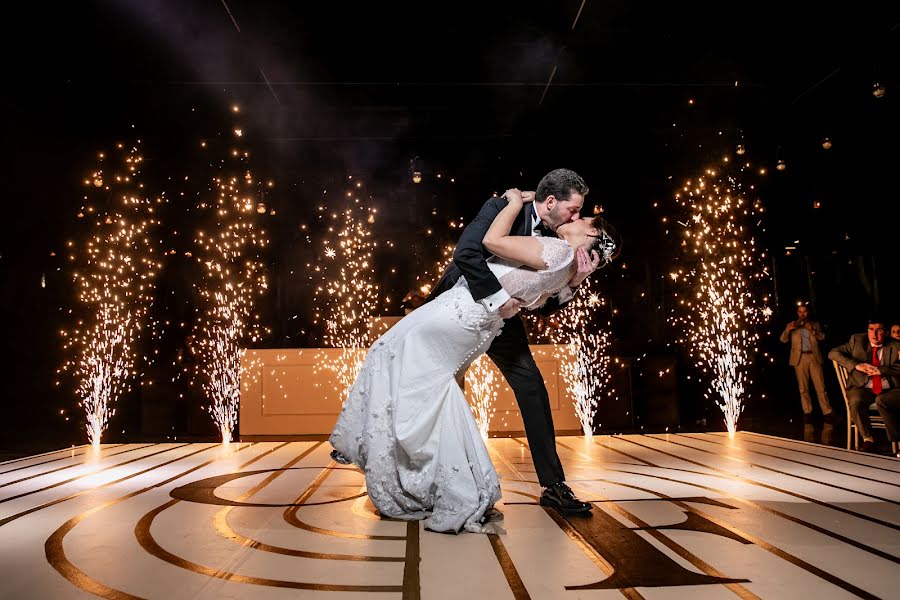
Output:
x=607 y=243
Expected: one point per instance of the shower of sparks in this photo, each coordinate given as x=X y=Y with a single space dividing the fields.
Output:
x=585 y=366
x=425 y=282
x=114 y=271
x=233 y=277
x=347 y=293
x=443 y=262
x=719 y=278
x=484 y=386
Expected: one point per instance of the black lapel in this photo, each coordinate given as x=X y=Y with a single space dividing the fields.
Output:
x=528 y=218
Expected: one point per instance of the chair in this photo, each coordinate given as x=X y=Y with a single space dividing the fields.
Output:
x=874 y=415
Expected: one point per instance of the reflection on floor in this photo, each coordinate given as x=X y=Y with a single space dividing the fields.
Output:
x=675 y=516
x=816 y=432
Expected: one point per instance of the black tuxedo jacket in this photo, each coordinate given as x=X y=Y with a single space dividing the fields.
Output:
x=470 y=256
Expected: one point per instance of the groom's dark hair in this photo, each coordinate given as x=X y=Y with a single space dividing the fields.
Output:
x=560 y=184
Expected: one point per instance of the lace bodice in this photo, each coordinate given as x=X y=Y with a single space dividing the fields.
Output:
x=533 y=287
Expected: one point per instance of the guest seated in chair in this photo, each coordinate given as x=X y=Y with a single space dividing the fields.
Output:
x=874 y=376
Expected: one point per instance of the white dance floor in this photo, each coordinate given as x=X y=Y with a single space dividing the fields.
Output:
x=697 y=516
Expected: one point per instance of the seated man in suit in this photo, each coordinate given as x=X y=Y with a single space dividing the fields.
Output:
x=874 y=376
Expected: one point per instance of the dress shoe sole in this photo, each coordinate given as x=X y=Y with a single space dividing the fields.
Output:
x=340 y=458
x=443 y=532
x=565 y=511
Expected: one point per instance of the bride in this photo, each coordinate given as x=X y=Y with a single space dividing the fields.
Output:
x=406 y=421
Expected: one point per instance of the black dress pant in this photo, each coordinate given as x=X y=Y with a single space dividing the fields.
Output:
x=511 y=354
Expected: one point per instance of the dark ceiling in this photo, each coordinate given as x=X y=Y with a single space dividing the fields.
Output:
x=564 y=70
x=633 y=95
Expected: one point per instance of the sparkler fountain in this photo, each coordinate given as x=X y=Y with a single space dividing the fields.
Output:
x=720 y=274
x=347 y=294
x=114 y=271
x=233 y=277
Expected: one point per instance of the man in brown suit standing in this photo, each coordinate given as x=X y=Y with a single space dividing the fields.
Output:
x=804 y=336
x=874 y=377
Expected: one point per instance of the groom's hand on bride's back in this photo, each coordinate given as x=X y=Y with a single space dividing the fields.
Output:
x=510 y=308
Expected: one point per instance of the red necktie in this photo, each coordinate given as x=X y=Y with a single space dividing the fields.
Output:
x=876 y=379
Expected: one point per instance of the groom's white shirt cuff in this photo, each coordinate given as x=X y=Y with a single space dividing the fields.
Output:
x=493 y=302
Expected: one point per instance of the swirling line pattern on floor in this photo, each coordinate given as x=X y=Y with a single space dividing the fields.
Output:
x=680 y=515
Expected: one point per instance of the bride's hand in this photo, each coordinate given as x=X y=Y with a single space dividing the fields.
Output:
x=513 y=195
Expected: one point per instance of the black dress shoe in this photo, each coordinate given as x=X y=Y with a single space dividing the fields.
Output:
x=867 y=446
x=340 y=458
x=559 y=497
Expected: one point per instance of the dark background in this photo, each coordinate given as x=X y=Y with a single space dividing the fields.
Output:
x=635 y=96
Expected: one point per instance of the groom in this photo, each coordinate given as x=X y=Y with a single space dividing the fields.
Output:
x=558 y=200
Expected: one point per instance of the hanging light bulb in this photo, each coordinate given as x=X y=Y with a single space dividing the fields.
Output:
x=416 y=169
x=740 y=150
x=878 y=90
x=780 y=164
x=371 y=219
x=261 y=208
x=826 y=143
x=272 y=212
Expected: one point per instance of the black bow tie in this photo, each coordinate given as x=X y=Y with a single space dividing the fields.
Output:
x=541 y=228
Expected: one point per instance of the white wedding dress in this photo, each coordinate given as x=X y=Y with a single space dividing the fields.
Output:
x=406 y=421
